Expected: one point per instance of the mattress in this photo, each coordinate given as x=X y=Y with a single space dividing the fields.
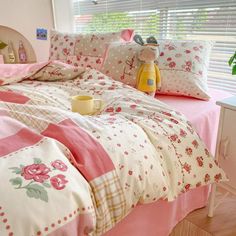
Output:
x=159 y=218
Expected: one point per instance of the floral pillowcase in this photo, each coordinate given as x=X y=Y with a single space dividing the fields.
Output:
x=121 y=62
x=183 y=66
x=89 y=48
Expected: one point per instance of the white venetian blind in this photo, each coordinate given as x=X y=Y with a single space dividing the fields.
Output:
x=213 y=20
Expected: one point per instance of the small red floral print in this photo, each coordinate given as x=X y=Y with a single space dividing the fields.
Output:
x=166 y=113
x=174 y=121
x=172 y=64
x=187 y=187
x=161 y=54
x=200 y=161
x=187 y=167
x=118 y=109
x=198 y=184
x=207 y=152
x=207 y=178
x=178 y=55
x=187 y=51
x=59 y=165
x=110 y=109
x=37 y=172
x=98 y=61
x=169 y=59
x=195 y=143
x=133 y=106
x=189 y=151
x=58 y=181
x=171 y=48
x=66 y=51
x=195 y=48
x=218 y=177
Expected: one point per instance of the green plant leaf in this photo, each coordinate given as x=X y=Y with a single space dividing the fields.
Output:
x=38 y=192
x=2 y=45
x=231 y=60
x=47 y=185
x=234 y=70
x=15 y=170
x=37 y=161
x=16 y=181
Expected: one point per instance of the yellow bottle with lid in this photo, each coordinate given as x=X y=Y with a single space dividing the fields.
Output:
x=11 y=55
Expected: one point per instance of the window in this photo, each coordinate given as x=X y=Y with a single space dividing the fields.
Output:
x=174 y=19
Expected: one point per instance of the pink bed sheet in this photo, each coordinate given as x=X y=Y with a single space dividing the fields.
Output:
x=159 y=218
x=204 y=115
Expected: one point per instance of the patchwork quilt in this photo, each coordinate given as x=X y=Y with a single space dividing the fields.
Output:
x=67 y=174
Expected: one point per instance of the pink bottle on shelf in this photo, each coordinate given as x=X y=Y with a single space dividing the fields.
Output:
x=22 y=53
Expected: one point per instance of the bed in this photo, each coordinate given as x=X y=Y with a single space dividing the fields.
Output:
x=204 y=115
x=67 y=174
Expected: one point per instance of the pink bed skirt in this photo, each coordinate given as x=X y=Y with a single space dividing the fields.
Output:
x=159 y=218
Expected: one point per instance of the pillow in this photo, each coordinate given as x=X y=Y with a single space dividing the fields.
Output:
x=121 y=62
x=63 y=46
x=183 y=66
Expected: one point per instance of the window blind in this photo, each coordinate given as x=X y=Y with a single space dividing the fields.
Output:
x=213 y=20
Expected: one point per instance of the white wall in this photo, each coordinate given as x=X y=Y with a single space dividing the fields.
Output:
x=25 y=16
x=63 y=15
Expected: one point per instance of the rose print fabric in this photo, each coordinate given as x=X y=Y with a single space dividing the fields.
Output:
x=183 y=66
x=86 y=49
x=135 y=150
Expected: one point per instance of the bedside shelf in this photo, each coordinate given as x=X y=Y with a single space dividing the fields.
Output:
x=226 y=148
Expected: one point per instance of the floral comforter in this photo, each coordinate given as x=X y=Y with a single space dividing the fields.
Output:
x=67 y=174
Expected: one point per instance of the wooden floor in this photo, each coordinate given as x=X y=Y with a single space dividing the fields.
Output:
x=198 y=223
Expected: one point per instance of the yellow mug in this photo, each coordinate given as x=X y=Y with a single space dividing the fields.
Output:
x=85 y=105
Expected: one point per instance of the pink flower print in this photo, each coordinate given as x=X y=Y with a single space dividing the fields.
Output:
x=98 y=61
x=188 y=69
x=200 y=161
x=59 y=165
x=78 y=58
x=182 y=133
x=187 y=167
x=195 y=48
x=69 y=61
x=207 y=152
x=195 y=143
x=201 y=46
x=37 y=172
x=171 y=48
x=118 y=109
x=133 y=106
x=187 y=51
x=85 y=59
x=218 y=177
x=58 y=182
x=174 y=137
x=169 y=59
x=172 y=64
x=198 y=184
x=187 y=187
x=166 y=113
x=197 y=58
x=161 y=54
x=71 y=44
x=188 y=63
x=200 y=72
x=207 y=178
x=178 y=55
x=66 y=51
x=174 y=121
x=110 y=109
x=189 y=151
